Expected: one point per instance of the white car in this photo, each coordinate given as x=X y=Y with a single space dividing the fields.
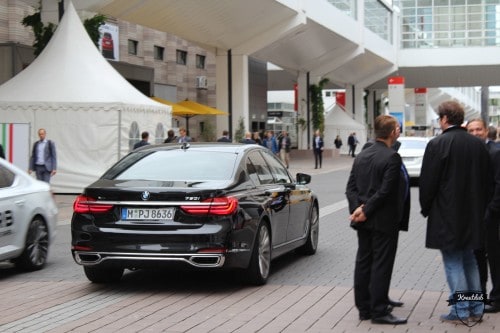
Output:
x=412 y=152
x=28 y=218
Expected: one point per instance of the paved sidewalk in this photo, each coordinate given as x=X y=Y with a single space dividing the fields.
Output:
x=318 y=300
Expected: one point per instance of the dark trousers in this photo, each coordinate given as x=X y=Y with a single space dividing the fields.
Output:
x=42 y=173
x=318 y=157
x=373 y=271
x=352 y=150
x=490 y=256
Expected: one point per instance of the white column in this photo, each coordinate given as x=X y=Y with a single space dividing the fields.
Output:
x=238 y=91
x=302 y=110
x=222 y=91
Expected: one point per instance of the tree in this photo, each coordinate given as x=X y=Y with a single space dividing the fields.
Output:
x=43 y=33
x=317 y=105
x=240 y=132
x=208 y=132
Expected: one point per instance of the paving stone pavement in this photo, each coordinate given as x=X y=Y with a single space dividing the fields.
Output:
x=307 y=294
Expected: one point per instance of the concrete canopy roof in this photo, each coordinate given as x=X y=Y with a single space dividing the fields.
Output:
x=301 y=36
x=298 y=36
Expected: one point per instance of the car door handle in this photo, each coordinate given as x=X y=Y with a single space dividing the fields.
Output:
x=20 y=202
x=274 y=190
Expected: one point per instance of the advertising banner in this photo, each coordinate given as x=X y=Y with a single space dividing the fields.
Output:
x=109 y=44
x=420 y=106
x=396 y=92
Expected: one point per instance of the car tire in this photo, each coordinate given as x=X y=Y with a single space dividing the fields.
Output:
x=311 y=245
x=103 y=274
x=260 y=262
x=36 y=247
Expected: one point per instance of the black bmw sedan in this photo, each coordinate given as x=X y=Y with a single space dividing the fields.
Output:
x=206 y=205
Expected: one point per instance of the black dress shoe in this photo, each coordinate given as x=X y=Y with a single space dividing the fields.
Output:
x=395 y=304
x=491 y=308
x=365 y=316
x=389 y=319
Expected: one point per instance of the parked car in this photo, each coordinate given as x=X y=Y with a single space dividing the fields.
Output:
x=28 y=218
x=107 y=46
x=412 y=152
x=207 y=206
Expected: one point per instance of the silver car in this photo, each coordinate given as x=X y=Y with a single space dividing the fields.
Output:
x=412 y=152
x=28 y=218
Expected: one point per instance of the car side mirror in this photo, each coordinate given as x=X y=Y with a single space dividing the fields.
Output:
x=303 y=178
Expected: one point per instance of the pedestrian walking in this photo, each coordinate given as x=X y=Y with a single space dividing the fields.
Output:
x=43 y=159
x=318 y=145
x=338 y=144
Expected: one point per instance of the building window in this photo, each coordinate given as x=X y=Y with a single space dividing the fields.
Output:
x=200 y=61
x=181 y=57
x=159 y=51
x=132 y=46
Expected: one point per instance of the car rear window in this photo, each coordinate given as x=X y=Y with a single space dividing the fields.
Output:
x=413 y=144
x=175 y=165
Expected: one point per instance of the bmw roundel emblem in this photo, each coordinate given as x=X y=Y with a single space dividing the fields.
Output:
x=145 y=195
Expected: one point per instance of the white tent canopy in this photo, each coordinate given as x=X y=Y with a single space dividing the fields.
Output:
x=87 y=108
x=338 y=122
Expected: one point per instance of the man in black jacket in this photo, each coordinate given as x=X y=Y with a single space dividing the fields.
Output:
x=490 y=254
x=378 y=196
x=453 y=183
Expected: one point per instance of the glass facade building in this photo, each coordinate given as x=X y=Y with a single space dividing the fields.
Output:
x=449 y=23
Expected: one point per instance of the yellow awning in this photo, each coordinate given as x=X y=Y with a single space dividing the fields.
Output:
x=202 y=109
x=177 y=110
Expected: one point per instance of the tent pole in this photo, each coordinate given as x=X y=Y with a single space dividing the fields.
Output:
x=119 y=133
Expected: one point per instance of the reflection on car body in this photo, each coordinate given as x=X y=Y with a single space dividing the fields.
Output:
x=230 y=206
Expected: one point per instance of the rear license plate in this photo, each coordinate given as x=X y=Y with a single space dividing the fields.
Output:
x=148 y=214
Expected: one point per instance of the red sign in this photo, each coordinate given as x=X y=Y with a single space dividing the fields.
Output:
x=340 y=98
x=420 y=90
x=396 y=80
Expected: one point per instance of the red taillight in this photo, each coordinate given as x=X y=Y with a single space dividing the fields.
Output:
x=215 y=206
x=84 y=204
x=81 y=248
x=213 y=250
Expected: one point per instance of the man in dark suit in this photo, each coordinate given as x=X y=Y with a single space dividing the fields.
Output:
x=318 y=144
x=144 y=140
x=224 y=137
x=379 y=202
x=454 y=182
x=248 y=139
x=183 y=137
x=43 y=157
x=490 y=254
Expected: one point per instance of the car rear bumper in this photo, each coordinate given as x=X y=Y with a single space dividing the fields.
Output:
x=200 y=260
